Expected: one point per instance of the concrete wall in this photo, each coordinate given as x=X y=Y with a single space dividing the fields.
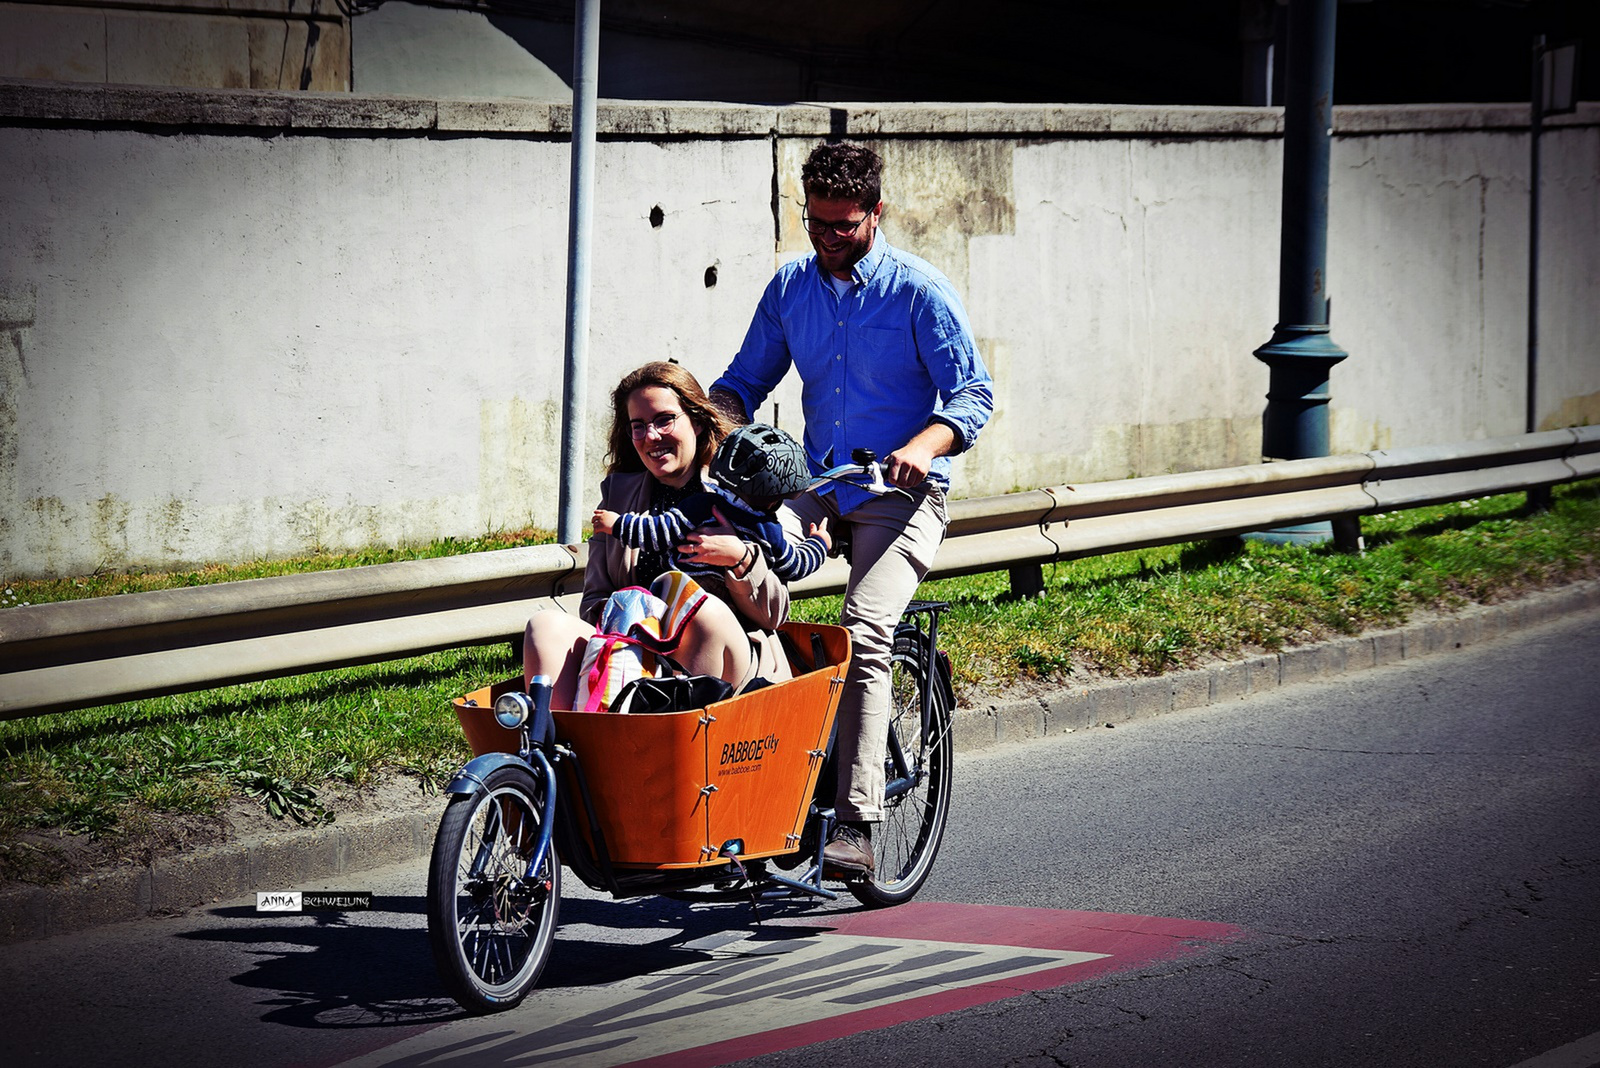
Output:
x=243 y=44
x=415 y=50
x=236 y=324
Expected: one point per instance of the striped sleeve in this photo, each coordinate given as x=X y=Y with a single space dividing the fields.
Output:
x=809 y=556
x=640 y=530
x=790 y=562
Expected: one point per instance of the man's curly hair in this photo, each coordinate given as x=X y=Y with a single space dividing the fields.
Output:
x=843 y=171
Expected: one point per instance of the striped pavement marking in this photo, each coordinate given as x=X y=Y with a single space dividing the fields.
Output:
x=1584 y=1053
x=750 y=993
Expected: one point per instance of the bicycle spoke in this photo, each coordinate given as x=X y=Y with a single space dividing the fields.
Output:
x=917 y=771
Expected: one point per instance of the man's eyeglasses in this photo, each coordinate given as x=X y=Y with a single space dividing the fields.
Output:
x=660 y=424
x=842 y=228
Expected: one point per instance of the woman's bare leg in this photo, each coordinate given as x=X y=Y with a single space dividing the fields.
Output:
x=715 y=643
x=553 y=645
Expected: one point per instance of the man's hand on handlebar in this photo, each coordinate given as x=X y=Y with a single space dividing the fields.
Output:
x=908 y=465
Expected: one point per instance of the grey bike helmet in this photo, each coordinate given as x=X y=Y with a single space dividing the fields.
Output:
x=760 y=463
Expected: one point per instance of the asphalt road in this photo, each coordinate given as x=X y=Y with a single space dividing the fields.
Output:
x=1400 y=867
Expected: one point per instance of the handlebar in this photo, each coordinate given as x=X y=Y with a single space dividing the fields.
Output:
x=864 y=473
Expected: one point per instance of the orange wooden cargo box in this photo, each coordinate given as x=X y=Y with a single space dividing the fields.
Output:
x=669 y=790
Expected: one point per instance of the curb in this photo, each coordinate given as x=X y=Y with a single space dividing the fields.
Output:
x=171 y=886
x=302 y=856
x=1108 y=703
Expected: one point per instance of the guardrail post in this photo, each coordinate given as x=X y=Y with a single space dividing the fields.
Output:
x=1027 y=580
x=1347 y=534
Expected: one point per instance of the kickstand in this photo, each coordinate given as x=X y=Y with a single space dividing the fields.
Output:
x=731 y=850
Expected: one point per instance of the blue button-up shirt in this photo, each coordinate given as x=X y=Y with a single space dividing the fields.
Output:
x=877 y=365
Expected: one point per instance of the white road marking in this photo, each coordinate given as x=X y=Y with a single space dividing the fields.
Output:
x=1584 y=1053
x=745 y=988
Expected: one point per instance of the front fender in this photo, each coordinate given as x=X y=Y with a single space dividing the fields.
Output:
x=473 y=780
x=470 y=779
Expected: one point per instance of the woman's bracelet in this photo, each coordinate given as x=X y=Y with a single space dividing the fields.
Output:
x=746 y=562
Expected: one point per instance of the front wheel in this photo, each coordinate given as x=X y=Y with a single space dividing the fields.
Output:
x=491 y=924
x=919 y=769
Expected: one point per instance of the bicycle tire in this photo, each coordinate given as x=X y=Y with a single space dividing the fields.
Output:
x=906 y=841
x=490 y=931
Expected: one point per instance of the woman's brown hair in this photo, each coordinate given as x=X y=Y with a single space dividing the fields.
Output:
x=710 y=422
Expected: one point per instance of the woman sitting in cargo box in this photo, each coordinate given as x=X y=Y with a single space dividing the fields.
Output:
x=664 y=432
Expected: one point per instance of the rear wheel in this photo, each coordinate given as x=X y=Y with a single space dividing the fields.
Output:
x=490 y=924
x=919 y=774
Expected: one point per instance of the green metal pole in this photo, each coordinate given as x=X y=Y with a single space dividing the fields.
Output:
x=1301 y=353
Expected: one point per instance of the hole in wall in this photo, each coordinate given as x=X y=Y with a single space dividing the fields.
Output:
x=711 y=276
x=657 y=216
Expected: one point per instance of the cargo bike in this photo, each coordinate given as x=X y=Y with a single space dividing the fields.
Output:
x=732 y=800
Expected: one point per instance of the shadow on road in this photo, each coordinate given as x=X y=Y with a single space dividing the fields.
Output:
x=325 y=970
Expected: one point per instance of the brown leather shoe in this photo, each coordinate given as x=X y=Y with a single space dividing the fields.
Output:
x=848 y=852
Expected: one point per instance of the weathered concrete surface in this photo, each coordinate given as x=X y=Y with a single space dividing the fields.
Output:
x=298 y=371
x=164 y=44
x=262 y=323
x=429 y=51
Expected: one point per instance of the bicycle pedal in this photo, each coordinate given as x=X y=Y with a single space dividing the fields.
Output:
x=844 y=875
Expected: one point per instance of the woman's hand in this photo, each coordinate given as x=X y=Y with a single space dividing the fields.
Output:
x=715 y=545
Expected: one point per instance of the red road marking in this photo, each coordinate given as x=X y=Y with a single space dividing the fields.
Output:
x=1129 y=942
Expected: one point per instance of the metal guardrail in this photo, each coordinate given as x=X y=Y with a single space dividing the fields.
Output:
x=77 y=654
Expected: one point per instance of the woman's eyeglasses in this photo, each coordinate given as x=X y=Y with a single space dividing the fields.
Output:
x=660 y=424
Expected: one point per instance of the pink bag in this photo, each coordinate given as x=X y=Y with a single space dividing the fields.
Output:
x=634 y=626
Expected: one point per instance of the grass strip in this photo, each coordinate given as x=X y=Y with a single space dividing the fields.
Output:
x=114 y=772
x=18 y=593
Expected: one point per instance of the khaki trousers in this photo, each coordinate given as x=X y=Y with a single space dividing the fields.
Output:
x=893 y=542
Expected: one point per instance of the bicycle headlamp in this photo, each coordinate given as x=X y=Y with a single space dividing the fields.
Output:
x=512 y=710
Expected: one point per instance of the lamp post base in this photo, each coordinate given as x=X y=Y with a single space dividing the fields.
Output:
x=1305 y=534
x=1344 y=532
x=1295 y=423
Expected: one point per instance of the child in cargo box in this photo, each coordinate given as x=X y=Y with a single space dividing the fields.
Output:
x=756 y=469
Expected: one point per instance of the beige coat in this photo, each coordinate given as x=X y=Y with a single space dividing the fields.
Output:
x=760 y=599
